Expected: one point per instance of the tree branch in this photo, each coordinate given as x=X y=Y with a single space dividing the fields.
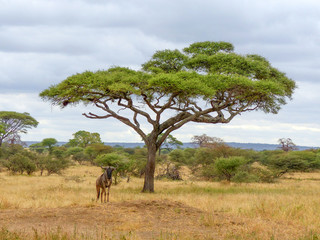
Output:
x=94 y=116
x=105 y=107
x=135 y=110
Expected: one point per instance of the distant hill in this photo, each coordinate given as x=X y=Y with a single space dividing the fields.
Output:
x=253 y=146
x=262 y=146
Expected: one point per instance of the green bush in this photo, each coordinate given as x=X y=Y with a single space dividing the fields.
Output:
x=293 y=161
x=54 y=165
x=74 y=150
x=209 y=172
x=205 y=156
x=227 y=167
x=59 y=152
x=81 y=157
x=282 y=162
x=263 y=173
x=19 y=163
x=37 y=147
x=96 y=149
x=139 y=161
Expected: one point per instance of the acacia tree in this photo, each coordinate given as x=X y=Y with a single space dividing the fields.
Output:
x=49 y=143
x=206 y=83
x=83 y=139
x=169 y=142
x=286 y=144
x=204 y=140
x=14 y=123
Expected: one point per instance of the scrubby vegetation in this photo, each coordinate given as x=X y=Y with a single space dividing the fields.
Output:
x=212 y=160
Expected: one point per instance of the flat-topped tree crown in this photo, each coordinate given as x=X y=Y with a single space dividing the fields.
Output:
x=206 y=83
x=12 y=124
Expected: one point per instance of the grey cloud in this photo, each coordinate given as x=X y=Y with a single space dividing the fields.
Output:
x=45 y=41
x=39 y=57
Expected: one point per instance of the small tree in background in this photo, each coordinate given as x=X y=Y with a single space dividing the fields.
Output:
x=18 y=163
x=14 y=123
x=54 y=165
x=293 y=161
x=77 y=154
x=204 y=140
x=95 y=149
x=169 y=143
x=18 y=160
x=84 y=138
x=139 y=161
x=227 y=167
x=49 y=143
x=59 y=152
x=286 y=144
x=37 y=147
x=40 y=162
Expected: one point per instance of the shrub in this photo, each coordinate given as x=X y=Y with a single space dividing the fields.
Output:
x=205 y=156
x=78 y=154
x=263 y=173
x=96 y=149
x=41 y=163
x=59 y=152
x=81 y=157
x=19 y=163
x=288 y=162
x=227 y=167
x=37 y=147
x=74 y=150
x=30 y=167
x=169 y=169
x=209 y=172
x=53 y=165
x=139 y=161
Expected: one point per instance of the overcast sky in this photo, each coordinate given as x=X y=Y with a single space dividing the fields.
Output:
x=44 y=41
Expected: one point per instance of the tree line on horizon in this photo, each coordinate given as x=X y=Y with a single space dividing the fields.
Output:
x=212 y=159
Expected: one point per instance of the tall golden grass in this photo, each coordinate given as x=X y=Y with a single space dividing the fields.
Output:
x=294 y=199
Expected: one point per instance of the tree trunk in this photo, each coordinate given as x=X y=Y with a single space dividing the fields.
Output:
x=150 y=168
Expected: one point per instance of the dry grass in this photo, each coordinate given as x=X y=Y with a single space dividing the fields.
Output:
x=289 y=209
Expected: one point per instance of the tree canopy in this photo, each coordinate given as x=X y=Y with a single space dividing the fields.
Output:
x=14 y=123
x=83 y=139
x=286 y=144
x=205 y=141
x=49 y=143
x=205 y=83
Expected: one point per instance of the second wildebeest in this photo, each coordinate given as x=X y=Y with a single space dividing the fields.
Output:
x=103 y=182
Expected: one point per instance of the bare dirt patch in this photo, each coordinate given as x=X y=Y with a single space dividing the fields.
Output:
x=142 y=219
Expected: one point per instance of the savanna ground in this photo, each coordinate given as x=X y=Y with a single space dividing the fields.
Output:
x=64 y=207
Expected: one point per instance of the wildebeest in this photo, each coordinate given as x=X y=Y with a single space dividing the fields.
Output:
x=103 y=182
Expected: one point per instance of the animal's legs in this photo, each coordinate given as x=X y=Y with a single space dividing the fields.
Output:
x=98 y=192
x=105 y=195
x=108 y=192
